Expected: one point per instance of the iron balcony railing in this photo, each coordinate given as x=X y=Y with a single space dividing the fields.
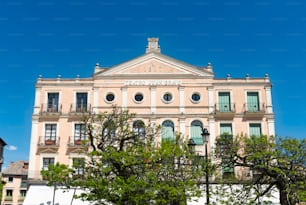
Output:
x=77 y=140
x=254 y=107
x=80 y=108
x=51 y=108
x=225 y=107
x=49 y=140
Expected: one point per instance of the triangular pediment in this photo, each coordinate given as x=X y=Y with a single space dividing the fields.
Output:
x=154 y=64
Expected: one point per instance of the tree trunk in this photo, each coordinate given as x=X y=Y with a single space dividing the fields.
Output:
x=283 y=196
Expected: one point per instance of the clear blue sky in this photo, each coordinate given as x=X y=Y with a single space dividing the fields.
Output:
x=239 y=37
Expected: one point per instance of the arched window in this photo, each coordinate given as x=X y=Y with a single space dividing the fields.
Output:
x=196 y=131
x=139 y=128
x=167 y=130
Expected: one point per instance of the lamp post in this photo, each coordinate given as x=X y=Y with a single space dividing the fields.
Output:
x=191 y=144
x=205 y=134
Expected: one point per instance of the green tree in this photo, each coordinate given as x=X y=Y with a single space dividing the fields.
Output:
x=275 y=163
x=2 y=183
x=129 y=166
x=57 y=175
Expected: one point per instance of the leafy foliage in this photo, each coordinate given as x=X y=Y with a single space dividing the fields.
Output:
x=275 y=163
x=128 y=166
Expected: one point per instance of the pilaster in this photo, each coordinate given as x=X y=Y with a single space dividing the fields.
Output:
x=124 y=97
x=153 y=99
x=95 y=100
x=182 y=99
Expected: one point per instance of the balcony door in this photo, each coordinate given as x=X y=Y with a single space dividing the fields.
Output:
x=81 y=102
x=252 y=101
x=53 y=102
x=224 y=102
x=50 y=132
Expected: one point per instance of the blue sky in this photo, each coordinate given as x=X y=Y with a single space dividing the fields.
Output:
x=52 y=37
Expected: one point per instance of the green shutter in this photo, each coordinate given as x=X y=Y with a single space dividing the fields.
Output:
x=224 y=102
x=167 y=133
x=225 y=128
x=253 y=101
x=195 y=133
x=255 y=129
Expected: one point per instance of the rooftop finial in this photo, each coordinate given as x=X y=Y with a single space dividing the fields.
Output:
x=153 y=45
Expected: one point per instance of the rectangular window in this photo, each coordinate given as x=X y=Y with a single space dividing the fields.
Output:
x=79 y=132
x=10 y=179
x=227 y=166
x=23 y=193
x=47 y=161
x=252 y=102
x=9 y=195
x=81 y=102
x=224 y=102
x=255 y=129
x=50 y=132
x=78 y=166
x=53 y=102
x=226 y=128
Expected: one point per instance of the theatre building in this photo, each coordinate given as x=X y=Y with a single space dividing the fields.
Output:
x=161 y=90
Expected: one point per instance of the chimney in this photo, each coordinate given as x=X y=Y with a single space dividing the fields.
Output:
x=152 y=45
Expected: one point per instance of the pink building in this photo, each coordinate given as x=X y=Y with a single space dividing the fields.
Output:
x=180 y=97
x=15 y=188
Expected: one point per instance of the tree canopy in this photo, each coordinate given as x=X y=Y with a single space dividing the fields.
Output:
x=273 y=163
x=130 y=165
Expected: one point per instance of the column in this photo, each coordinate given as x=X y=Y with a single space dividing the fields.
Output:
x=182 y=125
x=124 y=97
x=33 y=148
x=210 y=99
x=153 y=99
x=271 y=128
x=268 y=99
x=37 y=101
x=95 y=100
x=212 y=136
x=182 y=99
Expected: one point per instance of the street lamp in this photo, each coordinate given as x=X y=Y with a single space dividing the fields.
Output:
x=191 y=144
x=205 y=135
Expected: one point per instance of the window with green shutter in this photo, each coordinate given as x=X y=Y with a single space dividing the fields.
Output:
x=227 y=167
x=255 y=129
x=226 y=128
x=167 y=130
x=224 y=102
x=196 y=132
x=252 y=102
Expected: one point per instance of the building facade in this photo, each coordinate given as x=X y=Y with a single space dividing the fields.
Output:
x=15 y=178
x=161 y=90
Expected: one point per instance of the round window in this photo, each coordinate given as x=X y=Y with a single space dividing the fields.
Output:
x=195 y=97
x=167 y=97
x=110 y=97
x=138 y=97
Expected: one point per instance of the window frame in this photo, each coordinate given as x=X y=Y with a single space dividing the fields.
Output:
x=138 y=101
x=166 y=100
x=108 y=94
x=196 y=101
x=48 y=159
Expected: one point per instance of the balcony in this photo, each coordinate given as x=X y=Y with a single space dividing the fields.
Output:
x=254 y=111
x=21 y=198
x=77 y=144
x=79 y=110
x=8 y=198
x=225 y=111
x=50 y=111
x=47 y=144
